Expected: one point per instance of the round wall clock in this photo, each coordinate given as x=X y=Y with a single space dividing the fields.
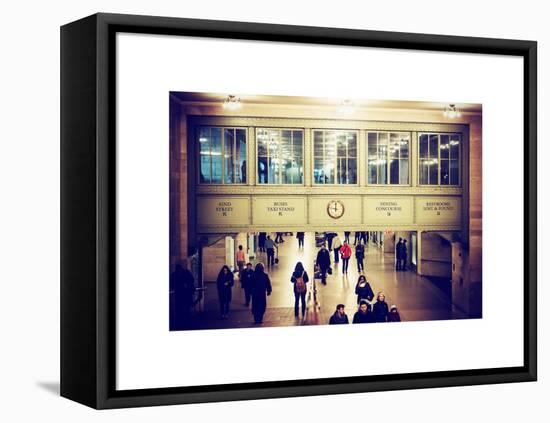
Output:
x=335 y=209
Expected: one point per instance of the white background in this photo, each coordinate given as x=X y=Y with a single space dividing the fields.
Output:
x=29 y=228
x=142 y=210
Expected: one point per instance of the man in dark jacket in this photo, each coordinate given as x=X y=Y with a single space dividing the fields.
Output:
x=339 y=317
x=364 y=314
x=182 y=289
x=261 y=288
x=323 y=261
x=246 y=283
x=404 y=255
x=398 y=254
x=360 y=256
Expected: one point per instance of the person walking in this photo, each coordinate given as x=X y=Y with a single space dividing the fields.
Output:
x=240 y=259
x=270 y=248
x=300 y=236
x=357 y=237
x=246 y=283
x=279 y=238
x=329 y=237
x=224 y=284
x=182 y=290
x=336 y=245
x=363 y=290
x=393 y=315
x=346 y=236
x=339 y=317
x=360 y=257
x=380 y=308
x=300 y=279
x=323 y=261
x=345 y=252
x=404 y=256
x=365 y=237
x=262 y=236
x=398 y=254
x=261 y=288
x=363 y=314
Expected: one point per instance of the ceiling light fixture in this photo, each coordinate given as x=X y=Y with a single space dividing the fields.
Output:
x=232 y=103
x=452 y=111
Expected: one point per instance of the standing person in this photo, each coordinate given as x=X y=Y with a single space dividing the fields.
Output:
x=300 y=236
x=363 y=314
x=398 y=254
x=261 y=241
x=246 y=283
x=360 y=256
x=240 y=258
x=261 y=288
x=336 y=245
x=279 y=237
x=323 y=261
x=364 y=237
x=329 y=236
x=270 y=248
x=339 y=317
x=345 y=252
x=363 y=290
x=393 y=315
x=357 y=237
x=224 y=283
x=346 y=236
x=380 y=308
x=182 y=289
x=300 y=279
x=404 y=256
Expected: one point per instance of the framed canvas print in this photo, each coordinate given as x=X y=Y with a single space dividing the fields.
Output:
x=258 y=211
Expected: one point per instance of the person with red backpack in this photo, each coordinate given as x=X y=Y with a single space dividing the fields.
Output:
x=345 y=253
x=300 y=279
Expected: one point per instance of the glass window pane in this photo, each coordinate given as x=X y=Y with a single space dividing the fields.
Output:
x=204 y=154
x=433 y=170
x=241 y=156
x=394 y=171
x=262 y=138
x=444 y=146
x=455 y=145
x=352 y=171
x=274 y=166
x=373 y=144
x=404 y=171
x=351 y=138
x=341 y=172
x=342 y=145
x=262 y=170
x=404 y=144
x=324 y=171
x=382 y=170
x=297 y=142
x=433 y=146
x=228 y=155
x=444 y=176
x=423 y=145
x=424 y=171
x=454 y=172
x=216 y=151
x=394 y=146
x=318 y=143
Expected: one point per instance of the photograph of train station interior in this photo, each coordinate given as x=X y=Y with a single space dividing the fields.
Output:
x=292 y=211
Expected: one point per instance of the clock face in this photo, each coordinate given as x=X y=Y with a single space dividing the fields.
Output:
x=335 y=209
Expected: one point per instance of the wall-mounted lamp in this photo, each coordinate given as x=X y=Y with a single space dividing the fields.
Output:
x=451 y=111
x=232 y=103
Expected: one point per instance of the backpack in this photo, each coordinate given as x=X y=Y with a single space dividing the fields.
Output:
x=300 y=285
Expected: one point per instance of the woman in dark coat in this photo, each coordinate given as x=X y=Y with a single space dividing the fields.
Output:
x=380 y=308
x=224 y=283
x=300 y=287
x=363 y=290
x=261 y=288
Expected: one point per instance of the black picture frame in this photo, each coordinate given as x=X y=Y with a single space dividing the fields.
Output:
x=88 y=198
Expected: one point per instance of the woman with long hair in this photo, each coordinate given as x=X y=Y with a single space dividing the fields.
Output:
x=381 y=308
x=224 y=283
x=299 y=279
x=363 y=290
x=261 y=288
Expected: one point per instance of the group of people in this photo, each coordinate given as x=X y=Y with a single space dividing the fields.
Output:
x=343 y=252
x=401 y=255
x=378 y=313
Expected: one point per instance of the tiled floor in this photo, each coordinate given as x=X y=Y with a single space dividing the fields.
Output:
x=415 y=296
